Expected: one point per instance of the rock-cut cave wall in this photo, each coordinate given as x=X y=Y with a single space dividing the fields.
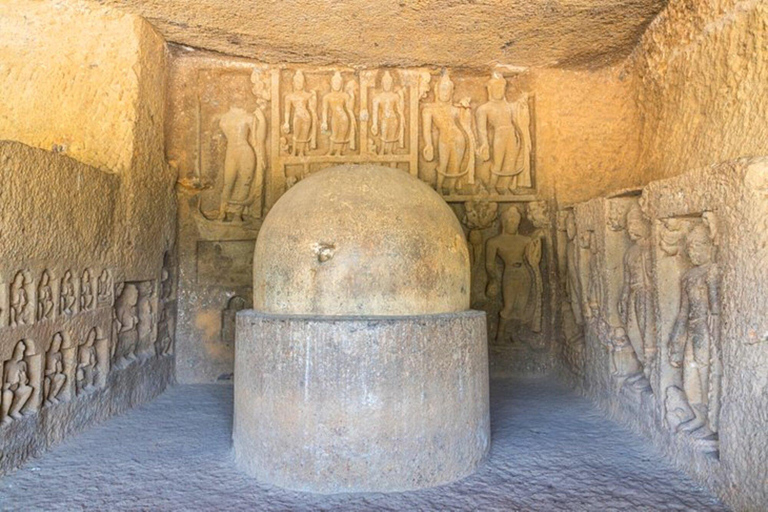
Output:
x=87 y=222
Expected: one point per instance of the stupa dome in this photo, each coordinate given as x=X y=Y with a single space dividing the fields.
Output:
x=361 y=240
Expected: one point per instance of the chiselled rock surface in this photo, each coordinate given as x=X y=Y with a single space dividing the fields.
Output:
x=340 y=404
x=361 y=240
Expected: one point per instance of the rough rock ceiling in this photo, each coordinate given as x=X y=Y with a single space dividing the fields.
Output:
x=567 y=33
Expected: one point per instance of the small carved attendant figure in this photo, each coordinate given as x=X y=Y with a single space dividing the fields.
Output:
x=68 y=296
x=339 y=115
x=694 y=342
x=44 y=298
x=515 y=251
x=87 y=298
x=588 y=241
x=242 y=164
x=104 y=288
x=573 y=284
x=636 y=292
x=22 y=311
x=85 y=378
x=507 y=138
x=16 y=388
x=541 y=241
x=55 y=378
x=389 y=116
x=303 y=123
x=478 y=215
x=454 y=126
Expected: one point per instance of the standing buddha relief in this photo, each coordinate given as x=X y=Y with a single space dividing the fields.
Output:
x=300 y=117
x=520 y=256
x=339 y=115
x=455 y=137
x=507 y=148
x=388 y=116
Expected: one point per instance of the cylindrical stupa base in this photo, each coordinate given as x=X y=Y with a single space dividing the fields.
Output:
x=355 y=404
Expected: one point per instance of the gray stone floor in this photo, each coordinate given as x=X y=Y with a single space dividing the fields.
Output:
x=552 y=451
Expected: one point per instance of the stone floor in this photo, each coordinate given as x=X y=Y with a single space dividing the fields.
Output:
x=552 y=451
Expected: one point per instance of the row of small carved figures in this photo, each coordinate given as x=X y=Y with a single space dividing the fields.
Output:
x=30 y=303
x=84 y=366
x=29 y=383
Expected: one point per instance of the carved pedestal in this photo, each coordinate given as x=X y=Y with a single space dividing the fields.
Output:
x=352 y=404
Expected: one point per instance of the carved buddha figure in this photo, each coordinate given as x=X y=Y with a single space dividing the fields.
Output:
x=504 y=150
x=517 y=253
x=45 y=298
x=87 y=298
x=694 y=341
x=454 y=131
x=636 y=292
x=388 y=116
x=87 y=364
x=68 y=296
x=339 y=115
x=244 y=161
x=21 y=311
x=54 y=377
x=16 y=387
x=300 y=116
x=103 y=287
x=126 y=321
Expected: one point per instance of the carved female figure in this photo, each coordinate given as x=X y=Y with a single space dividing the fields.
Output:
x=516 y=253
x=636 y=292
x=339 y=115
x=507 y=138
x=300 y=116
x=67 y=296
x=44 y=298
x=694 y=341
x=54 y=376
x=87 y=298
x=22 y=312
x=453 y=123
x=16 y=387
x=389 y=116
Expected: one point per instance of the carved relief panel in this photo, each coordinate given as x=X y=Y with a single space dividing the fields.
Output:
x=513 y=269
x=629 y=307
x=689 y=327
x=21 y=385
x=241 y=133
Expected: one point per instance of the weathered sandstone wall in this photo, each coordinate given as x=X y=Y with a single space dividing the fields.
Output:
x=87 y=221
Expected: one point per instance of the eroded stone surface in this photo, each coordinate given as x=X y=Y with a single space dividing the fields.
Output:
x=588 y=33
x=361 y=240
x=351 y=404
